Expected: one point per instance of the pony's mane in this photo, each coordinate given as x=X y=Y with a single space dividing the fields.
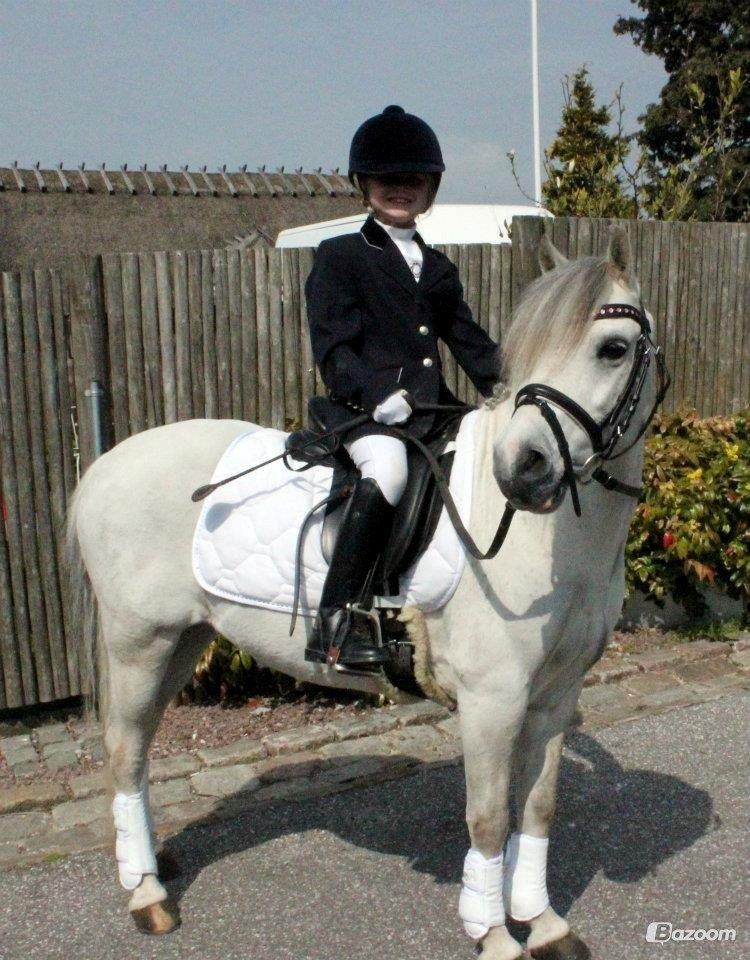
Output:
x=552 y=315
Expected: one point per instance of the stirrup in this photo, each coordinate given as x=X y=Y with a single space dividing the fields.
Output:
x=339 y=654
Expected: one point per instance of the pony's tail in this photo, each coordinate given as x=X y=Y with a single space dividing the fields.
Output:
x=85 y=614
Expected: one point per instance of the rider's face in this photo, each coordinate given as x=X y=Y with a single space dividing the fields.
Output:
x=397 y=198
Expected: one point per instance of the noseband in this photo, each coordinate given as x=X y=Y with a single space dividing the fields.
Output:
x=606 y=435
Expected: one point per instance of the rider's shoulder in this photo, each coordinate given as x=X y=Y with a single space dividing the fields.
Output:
x=338 y=251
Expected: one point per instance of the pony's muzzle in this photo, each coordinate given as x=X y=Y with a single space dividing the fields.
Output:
x=528 y=475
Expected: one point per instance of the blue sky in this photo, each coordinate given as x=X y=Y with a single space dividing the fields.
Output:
x=286 y=82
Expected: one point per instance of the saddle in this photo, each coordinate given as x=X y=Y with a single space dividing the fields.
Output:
x=418 y=511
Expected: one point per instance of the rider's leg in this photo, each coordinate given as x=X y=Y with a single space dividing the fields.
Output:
x=381 y=461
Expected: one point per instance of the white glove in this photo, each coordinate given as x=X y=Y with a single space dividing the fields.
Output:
x=393 y=409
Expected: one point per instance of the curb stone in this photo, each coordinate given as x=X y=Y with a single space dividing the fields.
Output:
x=46 y=821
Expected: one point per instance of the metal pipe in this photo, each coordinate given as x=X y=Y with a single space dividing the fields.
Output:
x=96 y=394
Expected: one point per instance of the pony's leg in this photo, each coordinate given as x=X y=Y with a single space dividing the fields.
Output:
x=537 y=767
x=488 y=735
x=140 y=683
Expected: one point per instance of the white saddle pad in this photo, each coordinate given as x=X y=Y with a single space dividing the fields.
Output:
x=245 y=540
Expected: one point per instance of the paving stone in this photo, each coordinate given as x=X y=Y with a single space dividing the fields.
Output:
x=303 y=738
x=80 y=812
x=288 y=767
x=703 y=649
x=168 y=768
x=239 y=752
x=224 y=782
x=90 y=784
x=22 y=754
x=53 y=733
x=703 y=671
x=169 y=792
x=51 y=844
x=349 y=729
x=673 y=697
x=600 y=697
x=58 y=746
x=61 y=760
x=356 y=770
x=31 y=796
x=342 y=752
x=195 y=810
x=11 y=744
x=609 y=671
x=421 y=743
x=650 y=682
x=23 y=768
x=416 y=713
x=741 y=658
x=19 y=826
x=450 y=727
x=278 y=792
x=657 y=659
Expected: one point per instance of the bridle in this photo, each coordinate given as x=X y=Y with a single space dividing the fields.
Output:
x=604 y=436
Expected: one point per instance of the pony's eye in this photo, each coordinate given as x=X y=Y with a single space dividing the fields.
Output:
x=612 y=350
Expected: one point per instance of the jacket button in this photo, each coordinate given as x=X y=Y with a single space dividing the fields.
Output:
x=424 y=330
x=427 y=362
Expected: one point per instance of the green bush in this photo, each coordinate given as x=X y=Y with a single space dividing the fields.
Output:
x=691 y=527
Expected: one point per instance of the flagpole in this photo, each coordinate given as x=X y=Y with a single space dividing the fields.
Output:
x=535 y=100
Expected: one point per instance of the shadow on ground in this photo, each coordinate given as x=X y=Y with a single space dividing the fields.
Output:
x=622 y=822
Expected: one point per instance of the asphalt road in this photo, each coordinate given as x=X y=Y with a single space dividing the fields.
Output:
x=652 y=825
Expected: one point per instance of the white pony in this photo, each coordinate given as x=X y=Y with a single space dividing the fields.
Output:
x=511 y=646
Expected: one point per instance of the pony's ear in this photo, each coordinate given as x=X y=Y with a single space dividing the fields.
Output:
x=620 y=254
x=549 y=256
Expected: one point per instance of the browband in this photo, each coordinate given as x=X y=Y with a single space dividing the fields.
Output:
x=610 y=311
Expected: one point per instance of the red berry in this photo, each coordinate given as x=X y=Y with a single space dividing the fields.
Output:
x=667 y=540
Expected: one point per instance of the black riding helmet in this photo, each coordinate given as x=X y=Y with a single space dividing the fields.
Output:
x=395 y=141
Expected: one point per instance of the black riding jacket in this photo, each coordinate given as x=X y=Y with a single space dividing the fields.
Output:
x=375 y=329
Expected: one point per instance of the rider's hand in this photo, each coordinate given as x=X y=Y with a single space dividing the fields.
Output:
x=393 y=409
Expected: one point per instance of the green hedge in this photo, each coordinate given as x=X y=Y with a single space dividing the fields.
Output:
x=691 y=527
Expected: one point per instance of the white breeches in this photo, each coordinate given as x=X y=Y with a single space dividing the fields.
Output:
x=383 y=459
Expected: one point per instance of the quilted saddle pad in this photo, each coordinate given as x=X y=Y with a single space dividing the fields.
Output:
x=245 y=539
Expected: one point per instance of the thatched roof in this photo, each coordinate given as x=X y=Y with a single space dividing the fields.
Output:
x=48 y=216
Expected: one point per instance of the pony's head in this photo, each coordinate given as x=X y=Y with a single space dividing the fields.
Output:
x=579 y=343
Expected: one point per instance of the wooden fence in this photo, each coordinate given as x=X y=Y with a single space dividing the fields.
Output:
x=221 y=333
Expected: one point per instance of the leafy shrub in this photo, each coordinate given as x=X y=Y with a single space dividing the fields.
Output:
x=226 y=674
x=692 y=526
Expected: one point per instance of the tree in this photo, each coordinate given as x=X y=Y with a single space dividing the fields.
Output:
x=584 y=161
x=696 y=139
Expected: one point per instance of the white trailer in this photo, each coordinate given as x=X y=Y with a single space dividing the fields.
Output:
x=444 y=223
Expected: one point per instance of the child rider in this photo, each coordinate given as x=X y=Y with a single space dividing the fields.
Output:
x=378 y=301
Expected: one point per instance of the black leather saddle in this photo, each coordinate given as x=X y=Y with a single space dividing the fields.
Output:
x=418 y=510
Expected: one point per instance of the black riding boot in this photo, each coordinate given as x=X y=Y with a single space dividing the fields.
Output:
x=362 y=536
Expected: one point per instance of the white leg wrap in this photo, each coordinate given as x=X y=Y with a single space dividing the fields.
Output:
x=133 y=848
x=481 y=903
x=525 y=880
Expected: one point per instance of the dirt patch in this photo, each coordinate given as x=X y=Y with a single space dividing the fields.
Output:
x=191 y=727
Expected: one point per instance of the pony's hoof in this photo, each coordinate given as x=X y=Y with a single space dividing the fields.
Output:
x=157 y=918
x=569 y=947
x=168 y=866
